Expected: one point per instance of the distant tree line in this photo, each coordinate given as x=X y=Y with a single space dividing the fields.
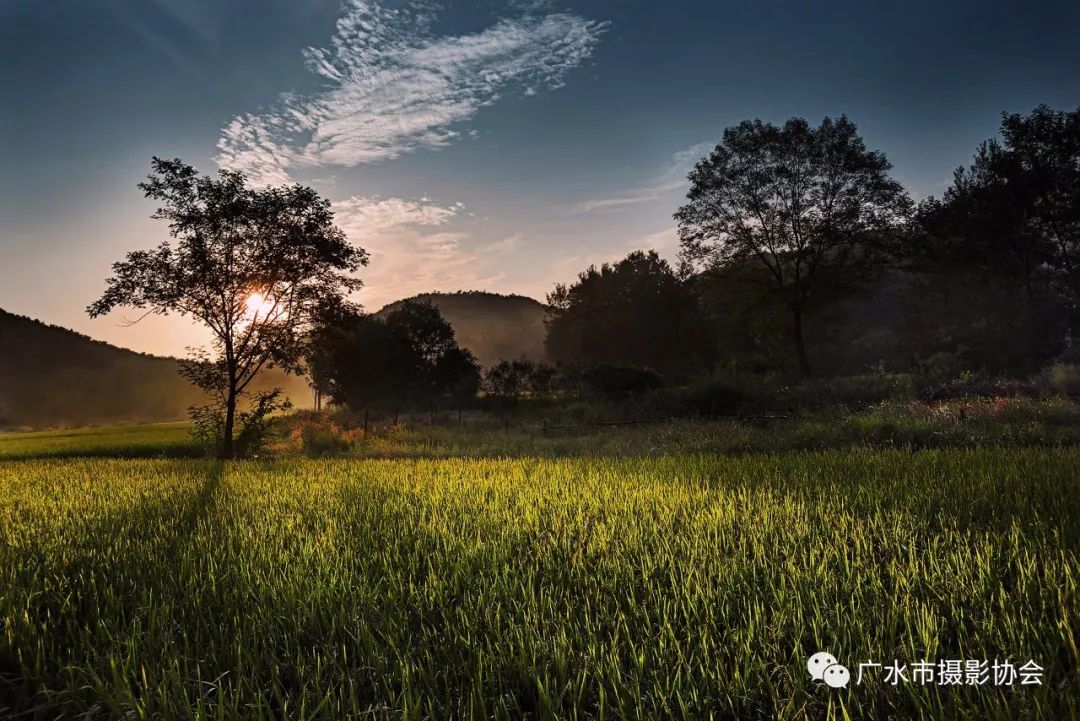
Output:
x=800 y=256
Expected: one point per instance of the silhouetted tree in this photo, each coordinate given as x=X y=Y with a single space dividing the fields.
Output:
x=255 y=266
x=410 y=357
x=508 y=379
x=515 y=379
x=636 y=312
x=1016 y=210
x=813 y=206
x=457 y=375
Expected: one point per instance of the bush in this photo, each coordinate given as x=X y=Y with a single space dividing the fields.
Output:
x=612 y=382
x=320 y=436
x=858 y=391
x=1064 y=378
x=252 y=427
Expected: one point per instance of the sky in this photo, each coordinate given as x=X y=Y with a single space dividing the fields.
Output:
x=499 y=145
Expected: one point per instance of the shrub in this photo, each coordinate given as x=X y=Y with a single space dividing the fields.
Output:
x=254 y=425
x=320 y=436
x=611 y=381
x=857 y=391
x=1064 y=378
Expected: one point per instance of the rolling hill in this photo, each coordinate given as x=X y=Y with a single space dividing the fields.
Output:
x=51 y=376
x=494 y=327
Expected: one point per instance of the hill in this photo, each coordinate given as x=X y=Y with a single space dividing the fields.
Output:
x=494 y=327
x=51 y=376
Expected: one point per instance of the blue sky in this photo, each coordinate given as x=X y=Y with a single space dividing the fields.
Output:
x=468 y=145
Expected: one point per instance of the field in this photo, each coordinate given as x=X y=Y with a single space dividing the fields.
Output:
x=649 y=586
x=131 y=441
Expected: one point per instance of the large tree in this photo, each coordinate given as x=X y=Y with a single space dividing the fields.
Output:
x=1016 y=209
x=636 y=312
x=812 y=206
x=256 y=266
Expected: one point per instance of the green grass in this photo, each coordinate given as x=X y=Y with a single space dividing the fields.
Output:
x=684 y=586
x=128 y=441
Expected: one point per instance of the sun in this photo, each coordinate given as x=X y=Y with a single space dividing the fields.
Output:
x=259 y=305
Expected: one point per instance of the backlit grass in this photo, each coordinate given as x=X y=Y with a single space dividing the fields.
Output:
x=682 y=586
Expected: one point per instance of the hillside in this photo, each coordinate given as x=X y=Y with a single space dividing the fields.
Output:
x=52 y=376
x=494 y=327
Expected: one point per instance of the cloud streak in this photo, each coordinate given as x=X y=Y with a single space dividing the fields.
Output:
x=392 y=87
x=671 y=178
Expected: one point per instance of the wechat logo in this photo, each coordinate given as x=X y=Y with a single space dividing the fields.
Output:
x=824 y=667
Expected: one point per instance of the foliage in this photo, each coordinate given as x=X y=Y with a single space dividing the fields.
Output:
x=636 y=312
x=319 y=435
x=1064 y=378
x=812 y=206
x=521 y=378
x=1016 y=210
x=255 y=266
x=409 y=358
x=611 y=381
x=254 y=423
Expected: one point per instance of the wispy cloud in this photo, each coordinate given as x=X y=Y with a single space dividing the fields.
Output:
x=392 y=86
x=670 y=178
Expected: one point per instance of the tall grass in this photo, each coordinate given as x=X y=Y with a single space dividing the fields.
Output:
x=672 y=587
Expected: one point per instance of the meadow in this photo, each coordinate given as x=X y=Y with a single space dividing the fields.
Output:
x=656 y=584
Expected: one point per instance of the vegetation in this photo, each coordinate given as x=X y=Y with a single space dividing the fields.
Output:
x=52 y=377
x=255 y=267
x=811 y=206
x=664 y=524
x=635 y=312
x=406 y=359
x=491 y=326
x=673 y=587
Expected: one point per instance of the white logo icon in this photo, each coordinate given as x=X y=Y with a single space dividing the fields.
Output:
x=837 y=676
x=818 y=663
x=823 y=666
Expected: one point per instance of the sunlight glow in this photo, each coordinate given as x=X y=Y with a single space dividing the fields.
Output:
x=259 y=306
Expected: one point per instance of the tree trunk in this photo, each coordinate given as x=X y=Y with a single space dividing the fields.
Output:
x=800 y=345
x=227 y=449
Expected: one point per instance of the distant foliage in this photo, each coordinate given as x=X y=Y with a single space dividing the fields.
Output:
x=519 y=379
x=409 y=359
x=635 y=313
x=611 y=381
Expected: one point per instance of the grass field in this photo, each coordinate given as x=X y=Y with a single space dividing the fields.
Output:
x=673 y=586
x=160 y=440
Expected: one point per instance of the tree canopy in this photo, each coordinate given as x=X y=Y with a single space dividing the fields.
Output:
x=635 y=312
x=409 y=358
x=256 y=266
x=811 y=205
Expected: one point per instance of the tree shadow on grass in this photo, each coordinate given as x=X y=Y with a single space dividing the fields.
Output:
x=95 y=597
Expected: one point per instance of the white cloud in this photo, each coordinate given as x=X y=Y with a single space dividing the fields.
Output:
x=392 y=87
x=365 y=217
x=670 y=178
